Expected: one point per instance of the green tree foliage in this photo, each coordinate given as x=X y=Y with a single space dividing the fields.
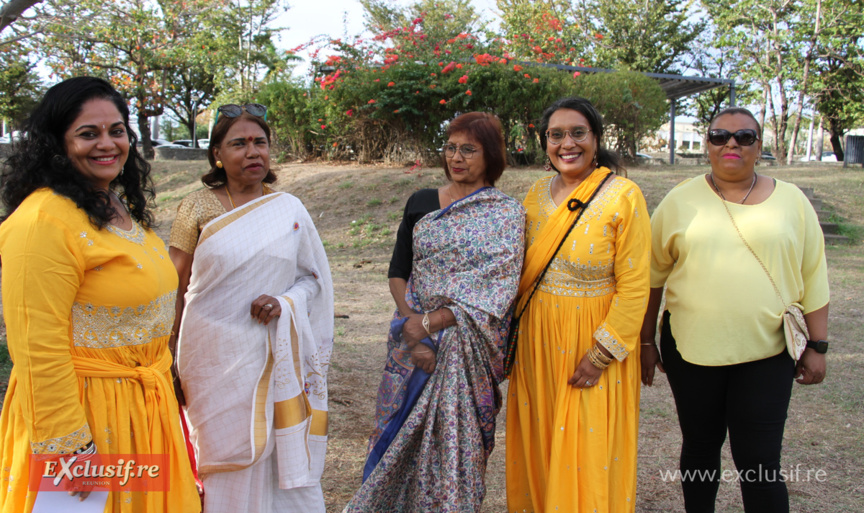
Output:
x=839 y=68
x=632 y=105
x=643 y=36
x=625 y=34
x=774 y=38
x=442 y=19
x=713 y=61
x=130 y=42
x=546 y=31
x=160 y=53
x=20 y=86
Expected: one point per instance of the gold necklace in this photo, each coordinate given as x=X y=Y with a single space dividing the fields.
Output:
x=233 y=206
x=450 y=193
x=711 y=177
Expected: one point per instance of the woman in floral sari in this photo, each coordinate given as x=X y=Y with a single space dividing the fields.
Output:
x=435 y=418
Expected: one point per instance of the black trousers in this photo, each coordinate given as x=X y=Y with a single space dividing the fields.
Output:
x=750 y=400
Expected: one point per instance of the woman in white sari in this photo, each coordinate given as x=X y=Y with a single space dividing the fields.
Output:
x=256 y=304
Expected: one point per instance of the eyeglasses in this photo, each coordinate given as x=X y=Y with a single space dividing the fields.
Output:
x=745 y=137
x=232 y=110
x=466 y=150
x=578 y=134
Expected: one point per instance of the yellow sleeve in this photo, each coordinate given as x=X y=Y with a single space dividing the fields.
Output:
x=619 y=332
x=814 y=268
x=184 y=231
x=42 y=271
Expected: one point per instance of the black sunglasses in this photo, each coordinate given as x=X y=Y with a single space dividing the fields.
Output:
x=232 y=110
x=745 y=137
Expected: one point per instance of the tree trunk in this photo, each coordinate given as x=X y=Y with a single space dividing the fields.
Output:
x=836 y=136
x=820 y=139
x=144 y=130
x=12 y=9
x=805 y=82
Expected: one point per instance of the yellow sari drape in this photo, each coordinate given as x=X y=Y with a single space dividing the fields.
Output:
x=572 y=449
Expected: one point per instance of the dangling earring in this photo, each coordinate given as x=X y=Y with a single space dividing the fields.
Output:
x=219 y=164
x=594 y=162
x=547 y=166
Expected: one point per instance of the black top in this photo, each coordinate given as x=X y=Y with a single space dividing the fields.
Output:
x=419 y=204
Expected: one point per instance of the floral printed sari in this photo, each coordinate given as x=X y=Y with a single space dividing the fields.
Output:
x=467 y=257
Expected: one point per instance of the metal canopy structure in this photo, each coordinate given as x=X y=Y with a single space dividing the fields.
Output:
x=675 y=87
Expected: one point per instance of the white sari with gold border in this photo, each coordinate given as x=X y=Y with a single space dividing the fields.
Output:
x=247 y=384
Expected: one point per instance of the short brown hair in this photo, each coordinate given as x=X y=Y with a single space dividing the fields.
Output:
x=216 y=176
x=486 y=129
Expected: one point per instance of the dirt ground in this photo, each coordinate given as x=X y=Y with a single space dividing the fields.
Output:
x=357 y=210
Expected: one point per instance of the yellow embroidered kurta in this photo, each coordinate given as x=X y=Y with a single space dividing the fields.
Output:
x=88 y=314
x=571 y=449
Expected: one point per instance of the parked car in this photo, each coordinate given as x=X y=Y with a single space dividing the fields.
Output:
x=202 y=143
x=766 y=155
x=827 y=156
x=161 y=143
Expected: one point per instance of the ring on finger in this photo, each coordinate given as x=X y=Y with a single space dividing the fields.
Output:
x=587 y=383
x=268 y=305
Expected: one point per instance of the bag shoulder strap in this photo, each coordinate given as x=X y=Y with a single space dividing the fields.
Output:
x=572 y=205
x=741 y=236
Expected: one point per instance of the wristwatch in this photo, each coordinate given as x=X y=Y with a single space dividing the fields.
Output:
x=820 y=346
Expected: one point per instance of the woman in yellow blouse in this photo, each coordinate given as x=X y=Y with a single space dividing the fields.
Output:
x=88 y=300
x=573 y=408
x=722 y=337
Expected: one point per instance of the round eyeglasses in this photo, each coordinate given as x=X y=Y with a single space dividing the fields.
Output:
x=556 y=136
x=466 y=150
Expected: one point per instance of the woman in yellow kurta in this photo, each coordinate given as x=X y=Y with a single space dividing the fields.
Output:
x=573 y=405
x=88 y=300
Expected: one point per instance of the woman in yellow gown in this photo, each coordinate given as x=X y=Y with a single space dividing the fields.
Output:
x=573 y=405
x=88 y=301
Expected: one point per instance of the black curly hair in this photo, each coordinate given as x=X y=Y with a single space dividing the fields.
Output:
x=39 y=159
x=605 y=157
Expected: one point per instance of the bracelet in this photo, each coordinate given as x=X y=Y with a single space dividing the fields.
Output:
x=90 y=448
x=649 y=344
x=597 y=358
x=423 y=352
x=600 y=355
x=426 y=323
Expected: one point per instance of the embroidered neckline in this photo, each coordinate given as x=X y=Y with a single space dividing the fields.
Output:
x=135 y=234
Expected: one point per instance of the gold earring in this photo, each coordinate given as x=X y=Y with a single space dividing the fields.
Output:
x=219 y=164
x=547 y=166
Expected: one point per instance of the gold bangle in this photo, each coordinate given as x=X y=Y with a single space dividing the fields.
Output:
x=597 y=358
x=425 y=323
x=600 y=356
x=422 y=352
